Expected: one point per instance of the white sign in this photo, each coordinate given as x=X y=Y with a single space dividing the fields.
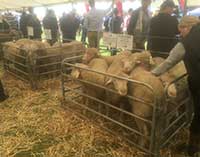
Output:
x=124 y=41
x=30 y=31
x=110 y=40
x=48 y=34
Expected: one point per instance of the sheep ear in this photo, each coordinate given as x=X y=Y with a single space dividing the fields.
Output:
x=108 y=81
x=172 y=91
x=75 y=73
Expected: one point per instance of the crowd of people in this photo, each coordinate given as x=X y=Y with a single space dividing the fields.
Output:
x=138 y=23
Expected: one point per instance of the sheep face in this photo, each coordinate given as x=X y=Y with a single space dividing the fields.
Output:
x=128 y=64
x=120 y=85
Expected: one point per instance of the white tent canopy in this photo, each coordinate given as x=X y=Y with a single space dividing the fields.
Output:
x=16 y=4
x=193 y=2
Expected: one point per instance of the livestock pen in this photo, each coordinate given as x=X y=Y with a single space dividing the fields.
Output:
x=37 y=64
x=157 y=131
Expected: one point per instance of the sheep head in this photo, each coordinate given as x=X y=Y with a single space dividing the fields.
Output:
x=90 y=53
x=142 y=58
x=128 y=64
x=120 y=85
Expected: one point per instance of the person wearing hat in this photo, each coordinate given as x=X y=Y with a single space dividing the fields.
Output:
x=139 y=24
x=188 y=50
x=163 y=30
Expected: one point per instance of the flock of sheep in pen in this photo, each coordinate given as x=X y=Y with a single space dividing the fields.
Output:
x=131 y=66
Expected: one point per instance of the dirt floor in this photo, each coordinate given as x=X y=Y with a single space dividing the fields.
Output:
x=33 y=124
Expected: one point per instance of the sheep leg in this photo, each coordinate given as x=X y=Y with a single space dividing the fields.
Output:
x=121 y=106
x=107 y=110
x=143 y=128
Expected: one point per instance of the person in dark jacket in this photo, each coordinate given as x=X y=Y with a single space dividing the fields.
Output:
x=4 y=26
x=188 y=51
x=50 y=23
x=34 y=22
x=163 y=30
x=3 y=96
x=23 y=24
x=84 y=31
x=12 y=20
x=69 y=25
x=115 y=22
x=115 y=26
x=139 y=24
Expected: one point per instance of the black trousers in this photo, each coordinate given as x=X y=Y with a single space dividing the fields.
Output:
x=2 y=93
x=195 y=125
x=194 y=139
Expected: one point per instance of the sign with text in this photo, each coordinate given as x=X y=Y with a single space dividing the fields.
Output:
x=30 y=31
x=110 y=40
x=124 y=41
x=47 y=33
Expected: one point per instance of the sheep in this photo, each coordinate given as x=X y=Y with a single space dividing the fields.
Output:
x=96 y=64
x=142 y=92
x=143 y=74
x=92 y=53
x=31 y=47
x=137 y=59
x=122 y=66
x=119 y=85
x=169 y=76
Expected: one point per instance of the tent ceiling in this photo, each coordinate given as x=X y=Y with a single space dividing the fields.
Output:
x=14 y=4
x=193 y=2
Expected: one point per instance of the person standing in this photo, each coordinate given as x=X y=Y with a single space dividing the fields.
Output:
x=34 y=23
x=188 y=51
x=12 y=20
x=50 y=24
x=139 y=24
x=69 y=25
x=23 y=24
x=127 y=19
x=84 y=30
x=4 y=26
x=115 y=22
x=115 y=26
x=93 y=22
x=163 y=30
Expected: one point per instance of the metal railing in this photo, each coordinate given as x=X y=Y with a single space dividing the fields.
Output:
x=32 y=67
x=162 y=125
